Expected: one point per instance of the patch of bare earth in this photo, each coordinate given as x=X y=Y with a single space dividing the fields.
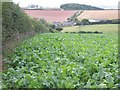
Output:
x=99 y=14
x=51 y=15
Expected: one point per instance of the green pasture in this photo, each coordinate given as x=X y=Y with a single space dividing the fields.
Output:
x=105 y=28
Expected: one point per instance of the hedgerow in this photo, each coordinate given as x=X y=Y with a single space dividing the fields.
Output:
x=16 y=24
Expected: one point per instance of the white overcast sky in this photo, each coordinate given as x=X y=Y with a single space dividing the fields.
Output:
x=57 y=3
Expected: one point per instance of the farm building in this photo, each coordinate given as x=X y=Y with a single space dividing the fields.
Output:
x=68 y=23
x=57 y=24
x=96 y=20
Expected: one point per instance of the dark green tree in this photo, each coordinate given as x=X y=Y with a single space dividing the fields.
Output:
x=75 y=6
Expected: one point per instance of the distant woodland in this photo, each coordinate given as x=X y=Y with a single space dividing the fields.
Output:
x=75 y=6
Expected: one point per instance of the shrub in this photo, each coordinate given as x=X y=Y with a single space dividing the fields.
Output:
x=51 y=30
x=85 y=21
x=59 y=29
x=17 y=25
x=115 y=21
x=90 y=32
x=14 y=21
x=82 y=32
x=96 y=32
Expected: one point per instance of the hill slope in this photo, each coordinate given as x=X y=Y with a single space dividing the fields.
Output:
x=75 y=6
x=99 y=14
x=51 y=15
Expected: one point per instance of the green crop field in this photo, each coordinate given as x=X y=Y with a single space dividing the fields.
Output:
x=63 y=60
x=105 y=28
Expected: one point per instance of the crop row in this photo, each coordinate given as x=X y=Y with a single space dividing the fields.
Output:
x=64 y=61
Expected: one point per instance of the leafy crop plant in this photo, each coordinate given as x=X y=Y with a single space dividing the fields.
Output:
x=64 y=61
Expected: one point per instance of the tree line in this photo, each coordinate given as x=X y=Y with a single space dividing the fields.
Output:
x=75 y=6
